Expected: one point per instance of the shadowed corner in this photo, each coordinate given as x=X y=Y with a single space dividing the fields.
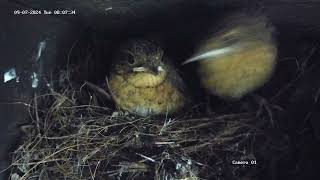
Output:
x=13 y=111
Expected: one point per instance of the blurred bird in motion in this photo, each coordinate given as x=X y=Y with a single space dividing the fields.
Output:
x=239 y=58
x=142 y=81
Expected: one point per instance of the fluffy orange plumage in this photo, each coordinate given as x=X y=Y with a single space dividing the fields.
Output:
x=143 y=83
x=238 y=58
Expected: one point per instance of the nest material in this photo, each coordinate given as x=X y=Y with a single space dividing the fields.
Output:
x=71 y=140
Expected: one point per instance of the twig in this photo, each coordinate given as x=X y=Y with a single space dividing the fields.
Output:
x=146 y=157
x=37 y=114
x=98 y=89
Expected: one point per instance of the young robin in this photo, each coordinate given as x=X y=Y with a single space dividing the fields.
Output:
x=142 y=81
x=238 y=58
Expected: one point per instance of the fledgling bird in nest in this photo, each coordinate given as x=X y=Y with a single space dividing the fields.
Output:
x=143 y=81
x=238 y=58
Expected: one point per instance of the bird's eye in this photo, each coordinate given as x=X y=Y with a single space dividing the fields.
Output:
x=130 y=59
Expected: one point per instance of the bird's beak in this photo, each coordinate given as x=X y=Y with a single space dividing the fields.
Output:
x=209 y=54
x=154 y=70
x=160 y=69
x=140 y=69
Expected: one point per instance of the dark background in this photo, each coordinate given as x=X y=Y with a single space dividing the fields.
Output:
x=179 y=24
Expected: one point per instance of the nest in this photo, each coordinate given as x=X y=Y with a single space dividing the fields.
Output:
x=72 y=134
x=69 y=139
